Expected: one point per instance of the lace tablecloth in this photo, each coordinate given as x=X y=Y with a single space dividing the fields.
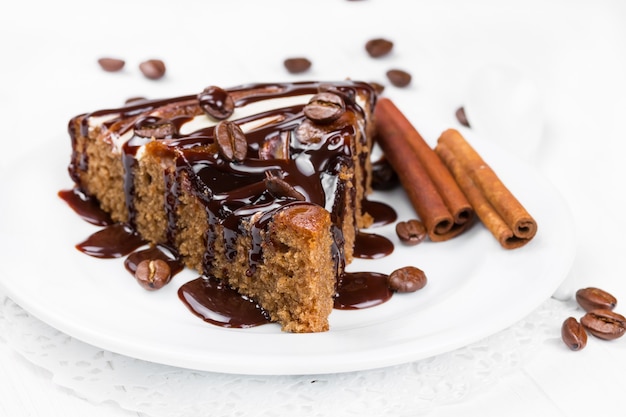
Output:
x=164 y=391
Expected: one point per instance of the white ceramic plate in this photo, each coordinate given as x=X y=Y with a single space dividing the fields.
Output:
x=475 y=288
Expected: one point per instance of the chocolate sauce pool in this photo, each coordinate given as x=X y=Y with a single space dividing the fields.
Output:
x=207 y=297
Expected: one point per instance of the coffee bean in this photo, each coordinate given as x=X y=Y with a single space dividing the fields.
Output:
x=399 y=78
x=325 y=108
x=216 y=102
x=153 y=69
x=297 y=65
x=411 y=232
x=153 y=274
x=594 y=298
x=407 y=279
x=604 y=324
x=461 y=117
x=111 y=64
x=155 y=127
x=231 y=141
x=378 y=47
x=280 y=188
x=573 y=334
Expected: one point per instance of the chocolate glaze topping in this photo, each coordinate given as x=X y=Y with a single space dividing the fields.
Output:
x=281 y=143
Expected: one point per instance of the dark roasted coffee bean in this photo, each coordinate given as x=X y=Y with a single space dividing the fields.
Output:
x=216 y=102
x=411 y=232
x=461 y=116
x=153 y=69
x=153 y=274
x=604 y=324
x=325 y=108
x=231 y=141
x=573 y=334
x=407 y=279
x=399 y=78
x=378 y=47
x=280 y=188
x=297 y=65
x=594 y=298
x=111 y=64
x=155 y=127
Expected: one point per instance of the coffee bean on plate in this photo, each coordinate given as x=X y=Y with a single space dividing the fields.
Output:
x=111 y=64
x=411 y=232
x=378 y=47
x=399 y=78
x=153 y=69
x=604 y=324
x=592 y=298
x=216 y=102
x=231 y=141
x=153 y=274
x=407 y=279
x=573 y=334
x=325 y=108
x=297 y=65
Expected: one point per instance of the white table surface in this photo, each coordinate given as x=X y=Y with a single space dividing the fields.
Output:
x=574 y=51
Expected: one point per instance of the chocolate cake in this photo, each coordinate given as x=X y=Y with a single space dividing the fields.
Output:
x=259 y=186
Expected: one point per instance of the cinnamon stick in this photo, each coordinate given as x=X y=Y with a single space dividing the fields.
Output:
x=431 y=188
x=498 y=209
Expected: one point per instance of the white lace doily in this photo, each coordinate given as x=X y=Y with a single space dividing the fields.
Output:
x=164 y=391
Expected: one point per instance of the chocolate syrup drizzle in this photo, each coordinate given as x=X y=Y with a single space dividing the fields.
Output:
x=232 y=192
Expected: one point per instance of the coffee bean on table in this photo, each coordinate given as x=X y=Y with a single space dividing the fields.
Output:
x=111 y=64
x=153 y=274
x=411 y=232
x=231 y=141
x=592 y=298
x=462 y=117
x=573 y=334
x=216 y=102
x=604 y=324
x=325 y=108
x=297 y=65
x=378 y=47
x=153 y=69
x=407 y=279
x=399 y=78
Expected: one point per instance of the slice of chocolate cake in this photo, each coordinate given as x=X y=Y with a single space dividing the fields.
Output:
x=258 y=185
